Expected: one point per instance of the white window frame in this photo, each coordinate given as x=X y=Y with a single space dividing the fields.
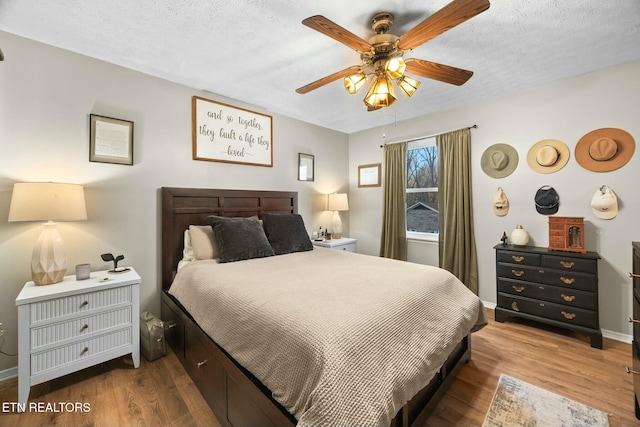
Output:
x=414 y=145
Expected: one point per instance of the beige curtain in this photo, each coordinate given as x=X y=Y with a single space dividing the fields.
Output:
x=457 y=246
x=393 y=242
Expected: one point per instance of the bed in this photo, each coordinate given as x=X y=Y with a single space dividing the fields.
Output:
x=225 y=366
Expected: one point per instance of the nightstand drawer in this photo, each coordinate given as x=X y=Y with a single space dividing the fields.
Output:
x=59 y=332
x=54 y=308
x=60 y=356
x=351 y=247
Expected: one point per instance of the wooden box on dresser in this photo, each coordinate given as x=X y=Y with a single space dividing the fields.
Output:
x=552 y=287
x=635 y=277
x=74 y=324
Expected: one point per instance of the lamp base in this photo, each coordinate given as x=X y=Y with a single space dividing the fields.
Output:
x=48 y=278
x=48 y=261
x=337 y=226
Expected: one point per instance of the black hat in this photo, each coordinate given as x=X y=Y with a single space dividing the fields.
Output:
x=547 y=200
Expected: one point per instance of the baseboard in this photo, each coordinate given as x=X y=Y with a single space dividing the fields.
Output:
x=7 y=374
x=616 y=336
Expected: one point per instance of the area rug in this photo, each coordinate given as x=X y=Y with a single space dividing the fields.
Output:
x=516 y=403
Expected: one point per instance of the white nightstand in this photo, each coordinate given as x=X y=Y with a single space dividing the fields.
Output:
x=343 y=244
x=74 y=324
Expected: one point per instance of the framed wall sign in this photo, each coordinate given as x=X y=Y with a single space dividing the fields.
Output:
x=369 y=175
x=305 y=167
x=222 y=133
x=110 y=140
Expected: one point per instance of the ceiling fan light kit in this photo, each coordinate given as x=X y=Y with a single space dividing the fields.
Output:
x=381 y=56
x=381 y=93
x=354 y=82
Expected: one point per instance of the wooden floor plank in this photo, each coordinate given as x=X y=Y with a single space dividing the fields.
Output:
x=161 y=393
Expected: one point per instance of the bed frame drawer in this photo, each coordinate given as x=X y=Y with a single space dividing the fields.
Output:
x=173 y=329
x=207 y=373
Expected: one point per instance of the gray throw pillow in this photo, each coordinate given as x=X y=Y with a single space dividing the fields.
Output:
x=286 y=233
x=240 y=238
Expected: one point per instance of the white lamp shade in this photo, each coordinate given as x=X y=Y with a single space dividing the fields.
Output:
x=338 y=202
x=47 y=201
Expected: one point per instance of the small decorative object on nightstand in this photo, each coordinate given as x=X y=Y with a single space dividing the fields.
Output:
x=342 y=244
x=74 y=325
x=566 y=233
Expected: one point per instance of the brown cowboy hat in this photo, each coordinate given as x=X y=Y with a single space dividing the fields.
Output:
x=605 y=150
x=548 y=155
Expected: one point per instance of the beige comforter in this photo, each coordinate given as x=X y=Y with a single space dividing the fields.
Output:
x=340 y=339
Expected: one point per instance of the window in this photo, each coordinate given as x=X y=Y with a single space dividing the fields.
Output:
x=422 y=186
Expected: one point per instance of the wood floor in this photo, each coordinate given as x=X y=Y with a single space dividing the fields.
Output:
x=160 y=393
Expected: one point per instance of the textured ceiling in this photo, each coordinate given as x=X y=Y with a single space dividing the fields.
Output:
x=258 y=52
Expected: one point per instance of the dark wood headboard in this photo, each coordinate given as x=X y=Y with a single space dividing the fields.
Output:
x=182 y=207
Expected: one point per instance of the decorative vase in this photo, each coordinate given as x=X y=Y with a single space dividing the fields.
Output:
x=519 y=236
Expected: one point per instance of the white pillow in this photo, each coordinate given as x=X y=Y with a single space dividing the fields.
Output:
x=187 y=253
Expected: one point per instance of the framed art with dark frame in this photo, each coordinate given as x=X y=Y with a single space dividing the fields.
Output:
x=110 y=140
x=224 y=133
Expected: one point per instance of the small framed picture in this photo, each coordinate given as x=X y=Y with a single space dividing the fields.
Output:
x=305 y=167
x=369 y=175
x=110 y=140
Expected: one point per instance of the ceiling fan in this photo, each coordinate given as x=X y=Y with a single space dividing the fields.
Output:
x=381 y=56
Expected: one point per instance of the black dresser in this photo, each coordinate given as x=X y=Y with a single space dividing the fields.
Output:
x=635 y=277
x=552 y=287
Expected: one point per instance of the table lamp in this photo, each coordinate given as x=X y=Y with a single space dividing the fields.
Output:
x=47 y=201
x=337 y=202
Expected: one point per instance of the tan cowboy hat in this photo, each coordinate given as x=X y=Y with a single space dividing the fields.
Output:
x=604 y=150
x=499 y=160
x=548 y=155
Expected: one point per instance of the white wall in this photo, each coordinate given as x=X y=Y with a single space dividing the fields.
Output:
x=564 y=110
x=46 y=96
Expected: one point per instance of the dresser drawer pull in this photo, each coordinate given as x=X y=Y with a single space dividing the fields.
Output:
x=569 y=316
x=633 y=320
x=518 y=288
x=201 y=364
x=567 y=280
x=518 y=273
x=85 y=326
x=84 y=350
x=567 y=264
x=631 y=371
x=568 y=298
x=632 y=275
x=84 y=303
x=514 y=306
x=517 y=258
x=541 y=288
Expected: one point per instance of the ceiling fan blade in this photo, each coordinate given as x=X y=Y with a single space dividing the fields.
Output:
x=336 y=32
x=328 y=79
x=453 y=14
x=440 y=72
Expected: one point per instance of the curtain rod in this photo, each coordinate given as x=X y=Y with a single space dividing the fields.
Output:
x=435 y=134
